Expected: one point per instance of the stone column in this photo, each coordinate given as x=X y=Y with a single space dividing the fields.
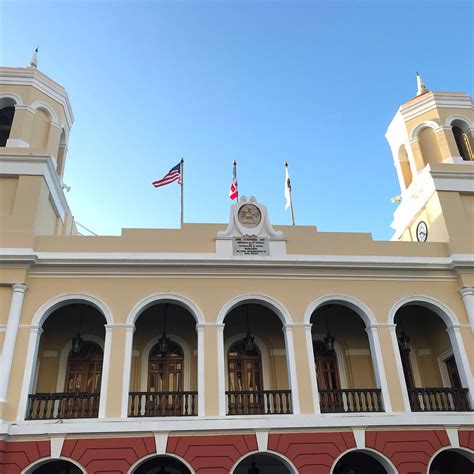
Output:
x=20 y=132
x=379 y=367
x=127 y=367
x=467 y=294
x=417 y=164
x=291 y=363
x=447 y=144
x=106 y=362
x=11 y=332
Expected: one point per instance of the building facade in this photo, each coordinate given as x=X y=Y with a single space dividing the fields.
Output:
x=242 y=347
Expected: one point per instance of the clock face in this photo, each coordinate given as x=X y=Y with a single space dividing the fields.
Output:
x=421 y=231
x=249 y=215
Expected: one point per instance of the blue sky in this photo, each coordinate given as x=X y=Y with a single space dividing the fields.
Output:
x=315 y=83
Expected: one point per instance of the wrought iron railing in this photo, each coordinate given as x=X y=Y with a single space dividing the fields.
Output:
x=357 y=400
x=162 y=404
x=51 y=406
x=438 y=399
x=263 y=402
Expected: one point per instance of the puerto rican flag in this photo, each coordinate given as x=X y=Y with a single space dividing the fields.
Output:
x=234 y=190
x=174 y=174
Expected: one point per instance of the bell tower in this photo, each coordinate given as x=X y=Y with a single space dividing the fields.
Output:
x=35 y=121
x=431 y=139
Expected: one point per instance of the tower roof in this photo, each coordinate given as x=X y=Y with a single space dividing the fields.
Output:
x=34 y=59
x=421 y=88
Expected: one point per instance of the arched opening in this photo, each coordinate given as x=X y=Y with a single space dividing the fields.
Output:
x=429 y=146
x=256 y=366
x=162 y=465
x=343 y=361
x=452 y=460
x=405 y=166
x=262 y=463
x=462 y=136
x=359 y=462
x=164 y=364
x=69 y=364
x=7 y=112
x=430 y=369
x=56 y=467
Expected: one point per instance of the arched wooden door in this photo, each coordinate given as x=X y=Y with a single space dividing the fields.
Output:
x=83 y=378
x=245 y=389
x=165 y=380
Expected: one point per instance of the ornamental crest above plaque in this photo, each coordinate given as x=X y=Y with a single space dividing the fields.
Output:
x=250 y=232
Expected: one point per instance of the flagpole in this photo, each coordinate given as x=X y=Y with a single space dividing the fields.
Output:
x=288 y=184
x=235 y=179
x=182 y=191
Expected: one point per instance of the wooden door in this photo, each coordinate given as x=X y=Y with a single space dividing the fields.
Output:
x=244 y=370
x=328 y=378
x=453 y=372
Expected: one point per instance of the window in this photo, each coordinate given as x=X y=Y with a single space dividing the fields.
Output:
x=463 y=143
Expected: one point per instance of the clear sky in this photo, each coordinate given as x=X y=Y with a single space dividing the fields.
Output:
x=315 y=83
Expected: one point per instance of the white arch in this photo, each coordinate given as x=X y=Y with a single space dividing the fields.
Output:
x=255 y=298
x=39 y=104
x=427 y=124
x=344 y=300
x=285 y=461
x=462 y=118
x=40 y=462
x=10 y=95
x=154 y=455
x=157 y=298
x=146 y=353
x=263 y=352
x=377 y=455
x=466 y=452
x=64 y=357
x=66 y=299
x=444 y=312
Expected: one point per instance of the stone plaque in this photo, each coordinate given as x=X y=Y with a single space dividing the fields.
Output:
x=250 y=245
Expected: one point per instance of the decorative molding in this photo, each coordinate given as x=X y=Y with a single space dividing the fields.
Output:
x=359 y=436
x=262 y=440
x=38 y=165
x=56 y=446
x=453 y=436
x=161 y=441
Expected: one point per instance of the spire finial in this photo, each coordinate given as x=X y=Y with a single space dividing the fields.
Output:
x=34 y=59
x=421 y=88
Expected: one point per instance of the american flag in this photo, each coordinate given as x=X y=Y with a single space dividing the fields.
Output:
x=174 y=174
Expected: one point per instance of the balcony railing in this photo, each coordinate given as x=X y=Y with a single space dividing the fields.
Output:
x=263 y=402
x=438 y=399
x=162 y=404
x=357 y=400
x=52 y=406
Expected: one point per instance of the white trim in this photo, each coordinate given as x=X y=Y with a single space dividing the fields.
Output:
x=221 y=369
x=453 y=436
x=11 y=95
x=414 y=366
x=56 y=446
x=443 y=368
x=144 y=459
x=263 y=354
x=39 y=104
x=449 y=120
x=17 y=143
x=63 y=358
x=201 y=371
x=291 y=368
x=127 y=368
x=159 y=298
x=312 y=369
x=42 y=461
x=161 y=441
x=466 y=452
x=359 y=437
x=467 y=294
x=282 y=458
x=106 y=363
x=377 y=455
x=350 y=302
x=399 y=365
x=426 y=124
x=212 y=424
x=255 y=298
x=146 y=354
x=262 y=440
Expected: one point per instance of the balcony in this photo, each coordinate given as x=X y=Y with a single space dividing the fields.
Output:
x=438 y=399
x=262 y=402
x=361 y=400
x=55 y=406
x=162 y=404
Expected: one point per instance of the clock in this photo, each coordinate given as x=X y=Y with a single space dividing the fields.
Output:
x=421 y=231
x=249 y=215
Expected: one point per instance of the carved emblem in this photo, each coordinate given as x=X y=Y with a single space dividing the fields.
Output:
x=249 y=215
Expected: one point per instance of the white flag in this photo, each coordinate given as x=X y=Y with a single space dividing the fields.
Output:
x=287 y=189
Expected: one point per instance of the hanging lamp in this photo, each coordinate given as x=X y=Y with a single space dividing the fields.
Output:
x=164 y=340
x=248 y=340
x=77 y=341
x=329 y=339
x=403 y=339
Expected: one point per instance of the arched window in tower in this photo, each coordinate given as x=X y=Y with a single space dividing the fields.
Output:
x=7 y=111
x=461 y=134
x=244 y=368
x=429 y=146
x=405 y=166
